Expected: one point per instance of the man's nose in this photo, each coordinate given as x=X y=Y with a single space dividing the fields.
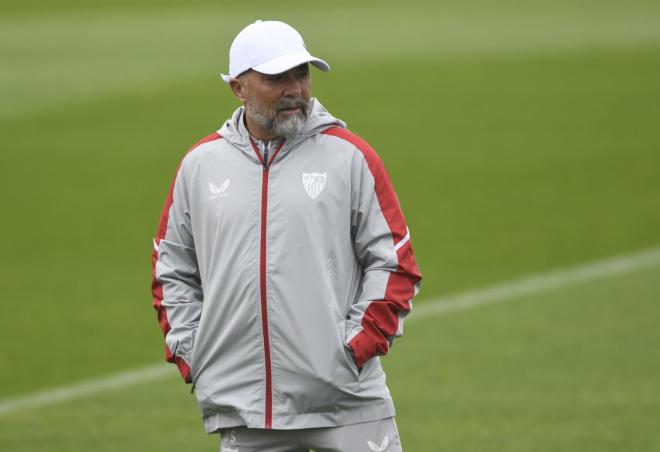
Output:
x=293 y=86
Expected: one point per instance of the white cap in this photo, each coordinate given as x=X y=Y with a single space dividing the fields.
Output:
x=269 y=47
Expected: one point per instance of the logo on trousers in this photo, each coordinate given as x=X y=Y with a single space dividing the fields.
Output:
x=314 y=183
x=228 y=437
x=376 y=448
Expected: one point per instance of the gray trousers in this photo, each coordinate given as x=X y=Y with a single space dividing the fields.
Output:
x=376 y=436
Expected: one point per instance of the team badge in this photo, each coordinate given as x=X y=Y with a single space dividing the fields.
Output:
x=314 y=183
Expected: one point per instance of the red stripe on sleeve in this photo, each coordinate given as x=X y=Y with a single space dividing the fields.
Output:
x=381 y=319
x=156 y=285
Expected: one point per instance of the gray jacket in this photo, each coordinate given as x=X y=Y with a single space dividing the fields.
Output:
x=278 y=284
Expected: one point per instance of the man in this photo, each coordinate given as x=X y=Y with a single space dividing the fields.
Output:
x=282 y=266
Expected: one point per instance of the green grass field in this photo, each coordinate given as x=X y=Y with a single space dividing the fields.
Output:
x=522 y=137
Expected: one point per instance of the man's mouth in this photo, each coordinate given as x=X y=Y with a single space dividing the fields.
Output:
x=290 y=111
x=292 y=107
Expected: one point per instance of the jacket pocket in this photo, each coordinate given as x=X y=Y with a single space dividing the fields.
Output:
x=350 y=361
x=344 y=349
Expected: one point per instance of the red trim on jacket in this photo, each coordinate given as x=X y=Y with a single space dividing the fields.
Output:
x=381 y=318
x=268 y=418
x=156 y=285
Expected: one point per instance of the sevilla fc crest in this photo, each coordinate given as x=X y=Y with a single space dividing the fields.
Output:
x=313 y=183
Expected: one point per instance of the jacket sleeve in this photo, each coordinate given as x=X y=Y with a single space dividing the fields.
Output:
x=176 y=287
x=382 y=245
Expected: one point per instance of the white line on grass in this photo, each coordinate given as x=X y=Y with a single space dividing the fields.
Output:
x=436 y=306
x=538 y=283
x=85 y=388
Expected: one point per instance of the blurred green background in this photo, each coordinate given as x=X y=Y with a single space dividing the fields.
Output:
x=521 y=136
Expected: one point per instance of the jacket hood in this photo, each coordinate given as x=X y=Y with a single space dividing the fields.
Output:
x=319 y=119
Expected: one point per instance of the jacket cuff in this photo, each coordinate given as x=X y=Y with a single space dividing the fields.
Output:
x=184 y=369
x=366 y=345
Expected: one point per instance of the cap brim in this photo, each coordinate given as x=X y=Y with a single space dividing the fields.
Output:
x=283 y=63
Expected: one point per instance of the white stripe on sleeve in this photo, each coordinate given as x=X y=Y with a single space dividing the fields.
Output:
x=403 y=240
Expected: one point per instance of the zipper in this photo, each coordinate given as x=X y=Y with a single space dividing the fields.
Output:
x=265 y=162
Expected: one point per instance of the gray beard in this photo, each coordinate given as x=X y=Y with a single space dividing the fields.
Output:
x=276 y=124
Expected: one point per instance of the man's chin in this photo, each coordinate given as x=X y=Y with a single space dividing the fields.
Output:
x=290 y=125
x=288 y=118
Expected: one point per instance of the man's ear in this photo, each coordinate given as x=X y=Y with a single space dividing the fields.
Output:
x=238 y=88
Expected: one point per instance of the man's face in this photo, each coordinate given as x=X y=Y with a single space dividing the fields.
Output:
x=279 y=103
